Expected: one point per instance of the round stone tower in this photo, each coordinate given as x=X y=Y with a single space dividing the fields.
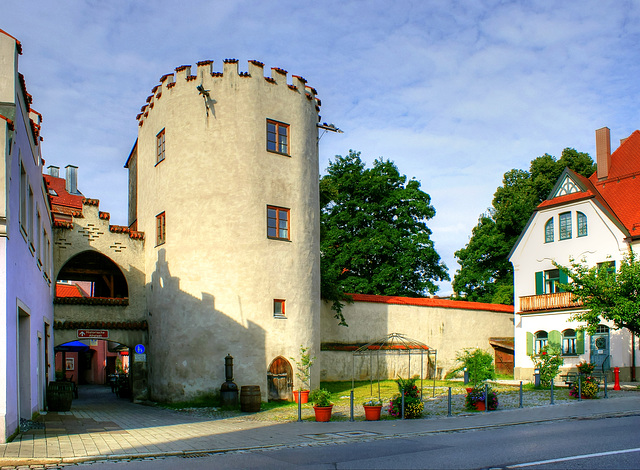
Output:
x=223 y=180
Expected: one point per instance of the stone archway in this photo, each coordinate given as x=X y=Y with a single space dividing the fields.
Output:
x=280 y=380
x=93 y=274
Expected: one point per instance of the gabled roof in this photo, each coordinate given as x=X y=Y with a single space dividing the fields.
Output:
x=621 y=189
x=431 y=302
x=618 y=195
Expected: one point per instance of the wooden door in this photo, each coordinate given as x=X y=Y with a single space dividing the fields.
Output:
x=280 y=380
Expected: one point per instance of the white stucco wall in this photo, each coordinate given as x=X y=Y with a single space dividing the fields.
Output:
x=447 y=330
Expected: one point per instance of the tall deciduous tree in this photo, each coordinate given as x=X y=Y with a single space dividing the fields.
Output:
x=606 y=293
x=374 y=236
x=485 y=273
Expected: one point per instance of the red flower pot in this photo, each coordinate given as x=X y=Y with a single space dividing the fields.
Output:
x=479 y=405
x=372 y=412
x=323 y=413
x=304 y=396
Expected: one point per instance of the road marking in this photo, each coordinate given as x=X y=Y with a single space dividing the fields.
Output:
x=575 y=457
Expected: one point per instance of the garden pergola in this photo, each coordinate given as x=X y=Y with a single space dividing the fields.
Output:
x=394 y=343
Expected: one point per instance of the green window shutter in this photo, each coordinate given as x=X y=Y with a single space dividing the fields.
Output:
x=580 y=341
x=555 y=339
x=529 y=343
x=564 y=279
x=539 y=283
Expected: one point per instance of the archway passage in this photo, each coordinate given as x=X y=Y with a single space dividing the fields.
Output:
x=91 y=274
x=280 y=380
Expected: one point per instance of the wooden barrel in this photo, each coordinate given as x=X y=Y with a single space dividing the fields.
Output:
x=59 y=396
x=250 y=398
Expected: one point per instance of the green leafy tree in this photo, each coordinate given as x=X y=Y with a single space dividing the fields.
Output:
x=485 y=273
x=606 y=293
x=374 y=236
x=479 y=365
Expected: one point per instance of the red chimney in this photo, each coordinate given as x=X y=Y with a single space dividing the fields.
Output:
x=603 y=152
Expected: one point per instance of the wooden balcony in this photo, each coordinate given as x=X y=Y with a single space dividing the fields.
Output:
x=532 y=303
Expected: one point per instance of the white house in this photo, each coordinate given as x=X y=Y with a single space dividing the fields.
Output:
x=595 y=219
x=26 y=307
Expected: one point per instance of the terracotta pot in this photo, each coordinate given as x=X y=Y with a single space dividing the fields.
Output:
x=372 y=412
x=479 y=405
x=304 y=396
x=323 y=413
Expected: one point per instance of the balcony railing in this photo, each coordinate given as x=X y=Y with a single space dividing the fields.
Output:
x=531 y=303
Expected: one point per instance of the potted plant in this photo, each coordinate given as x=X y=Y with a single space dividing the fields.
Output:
x=322 y=404
x=588 y=383
x=475 y=399
x=413 y=406
x=303 y=373
x=372 y=409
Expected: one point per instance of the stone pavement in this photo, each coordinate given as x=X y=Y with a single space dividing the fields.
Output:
x=101 y=427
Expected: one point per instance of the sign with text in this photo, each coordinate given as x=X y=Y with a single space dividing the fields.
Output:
x=97 y=334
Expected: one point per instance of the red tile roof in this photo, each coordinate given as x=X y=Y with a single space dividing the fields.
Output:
x=431 y=302
x=619 y=193
x=63 y=204
x=70 y=290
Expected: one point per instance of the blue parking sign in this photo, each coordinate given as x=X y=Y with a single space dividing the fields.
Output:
x=139 y=349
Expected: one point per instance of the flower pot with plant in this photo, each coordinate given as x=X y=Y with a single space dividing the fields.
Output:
x=303 y=373
x=372 y=409
x=322 y=405
x=413 y=406
x=475 y=399
x=589 y=385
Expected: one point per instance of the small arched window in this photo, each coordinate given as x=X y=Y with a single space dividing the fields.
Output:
x=548 y=231
x=541 y=338
x=582 y=225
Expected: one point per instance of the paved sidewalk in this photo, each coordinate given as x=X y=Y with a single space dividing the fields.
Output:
x=103 y=427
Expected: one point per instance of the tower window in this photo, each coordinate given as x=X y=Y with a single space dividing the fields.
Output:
x=277 y=223
x=160 y=229
x=278 y=308
x=277 y=137
x=160 y=147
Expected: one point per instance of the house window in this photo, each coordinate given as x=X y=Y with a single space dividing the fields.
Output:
x=278 y=308
x=565 y=225
x=569 y=342
x=30 y=219
x=548 y=231
x=23 y=199
x=277 y=137
x=608 y=266
x=582 y=225
x=277 y=223
x=160 y=147
x=160 y=229
x=551 y=280
x=540 y=341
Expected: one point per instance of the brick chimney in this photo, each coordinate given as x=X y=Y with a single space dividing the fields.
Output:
x=603 y=152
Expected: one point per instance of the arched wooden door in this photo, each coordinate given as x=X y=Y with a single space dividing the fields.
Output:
x=280 y=380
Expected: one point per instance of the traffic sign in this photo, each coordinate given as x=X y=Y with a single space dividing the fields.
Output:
x=99 y=334
x=139 y=348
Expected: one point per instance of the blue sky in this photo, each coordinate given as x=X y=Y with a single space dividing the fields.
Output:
x=454 y=92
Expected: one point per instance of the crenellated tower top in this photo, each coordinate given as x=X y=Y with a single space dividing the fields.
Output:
x=230 y=71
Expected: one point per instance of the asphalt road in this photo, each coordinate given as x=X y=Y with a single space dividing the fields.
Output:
x=608 y=443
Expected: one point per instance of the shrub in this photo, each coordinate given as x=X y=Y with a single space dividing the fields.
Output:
x=589 y=384
x=478 y=362
x=320 y=397
x=548 y=362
